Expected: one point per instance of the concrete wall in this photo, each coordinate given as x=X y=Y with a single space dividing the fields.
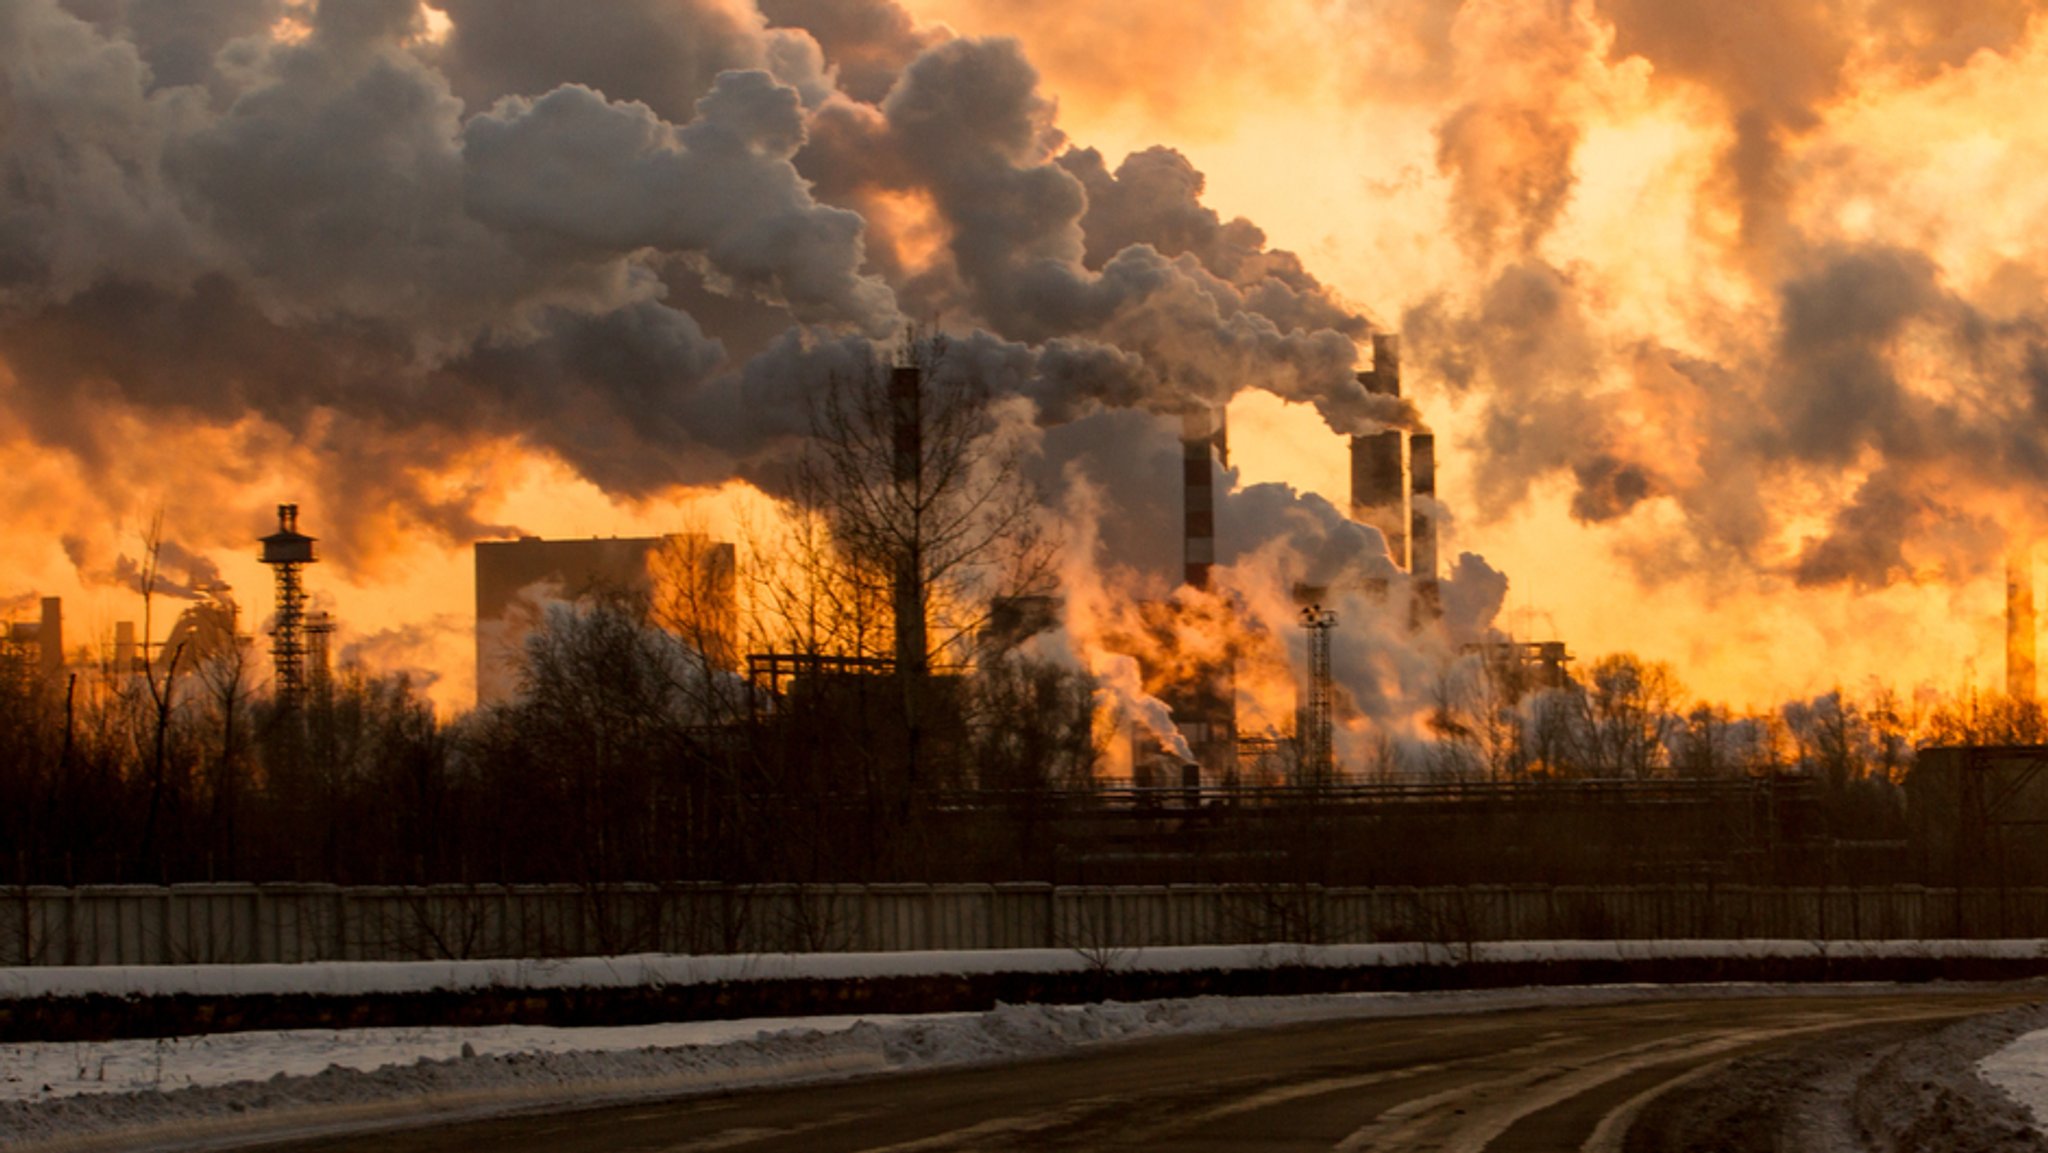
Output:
x=235 y=924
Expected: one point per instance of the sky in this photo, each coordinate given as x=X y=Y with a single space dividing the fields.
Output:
x=1728 y=323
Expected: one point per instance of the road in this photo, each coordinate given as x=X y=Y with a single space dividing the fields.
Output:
x=1565 y=1078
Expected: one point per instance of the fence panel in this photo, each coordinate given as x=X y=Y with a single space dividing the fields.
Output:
x=191 y=924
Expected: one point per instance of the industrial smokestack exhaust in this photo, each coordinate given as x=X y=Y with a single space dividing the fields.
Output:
x=1204 y=444
x=906 y=403
x=1422 y=537
x=1379 y=490
x=2019 y=624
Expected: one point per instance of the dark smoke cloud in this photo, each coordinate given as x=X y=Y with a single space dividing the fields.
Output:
x=665 y=54
x=181 y=573
x=1511 y=167
x=340 y=248
x=868 y=43
x=639 y=244
x=179 y=40
x=1865 y=543
x=1154 y=198
x=1912 y=414
x=1776 y=68
x=572 y=172
x=1528 y=349
x=968 y=122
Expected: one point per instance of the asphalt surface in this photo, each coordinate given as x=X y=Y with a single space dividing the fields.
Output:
x=1567 y=1078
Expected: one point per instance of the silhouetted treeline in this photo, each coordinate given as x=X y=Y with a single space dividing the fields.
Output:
x=629 y=756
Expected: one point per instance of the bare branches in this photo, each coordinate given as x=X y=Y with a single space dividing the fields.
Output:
x=957 y=519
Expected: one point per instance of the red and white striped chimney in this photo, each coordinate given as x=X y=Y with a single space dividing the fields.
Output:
x=1422 y=537
x=1379 y=489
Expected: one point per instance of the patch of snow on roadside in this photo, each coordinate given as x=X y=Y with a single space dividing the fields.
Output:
x=37 y=1071
x=2021 y=1069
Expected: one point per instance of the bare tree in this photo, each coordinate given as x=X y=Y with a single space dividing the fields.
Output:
x=1478 y=720
x=1629 y=712
x=225 y=682
x=159 y=676
x=921 y=487
x=909 y=512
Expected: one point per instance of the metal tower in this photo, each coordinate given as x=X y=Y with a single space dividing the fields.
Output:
x=287 y=550
x=1318 y=756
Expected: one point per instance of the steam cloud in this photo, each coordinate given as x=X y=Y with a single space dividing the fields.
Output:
x=239 y=227
x=1832 y=403
x=631 y=242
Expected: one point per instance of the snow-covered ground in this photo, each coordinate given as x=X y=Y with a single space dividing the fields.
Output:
x=194 y=1091
x=43 y=1071
x=2021 y=1069
x=206 y=1090
x=189 y=1092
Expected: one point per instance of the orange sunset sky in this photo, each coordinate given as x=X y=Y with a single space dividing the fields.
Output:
x=1729 y=321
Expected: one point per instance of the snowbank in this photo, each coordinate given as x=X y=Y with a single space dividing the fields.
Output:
x=361 y=978
x=2021 y=1070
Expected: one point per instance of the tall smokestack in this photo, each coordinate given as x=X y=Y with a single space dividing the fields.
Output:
x=1379 y=492
x=2019 y=624
x=1422 y=540
x=50 y=639
x=1203 y=442
x=906 y=403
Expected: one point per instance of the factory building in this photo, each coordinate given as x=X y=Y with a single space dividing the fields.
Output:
x=36 y=648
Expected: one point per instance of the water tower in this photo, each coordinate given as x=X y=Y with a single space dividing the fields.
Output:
x=287 y=550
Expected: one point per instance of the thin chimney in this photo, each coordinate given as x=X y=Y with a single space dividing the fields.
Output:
x=906 y=402
x=2019 y=624
x=1204 y=443
x=1422 y=452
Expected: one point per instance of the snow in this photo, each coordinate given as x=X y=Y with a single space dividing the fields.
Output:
x=359 y=978
x=2021 y=1069
x=43 y=1070
x=149 y=1094
x=198 y=1091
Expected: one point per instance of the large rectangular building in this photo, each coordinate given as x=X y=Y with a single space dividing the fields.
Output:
x=689 y=580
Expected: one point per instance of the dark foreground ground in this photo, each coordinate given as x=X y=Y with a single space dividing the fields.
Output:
x=1823 y=1073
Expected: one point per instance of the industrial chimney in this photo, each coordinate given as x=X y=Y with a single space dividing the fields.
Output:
x=1204 y=446
x=2019 y=624
x=906 y=404
x=50 y=639
x=1422 y=538
x=1379 y=490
